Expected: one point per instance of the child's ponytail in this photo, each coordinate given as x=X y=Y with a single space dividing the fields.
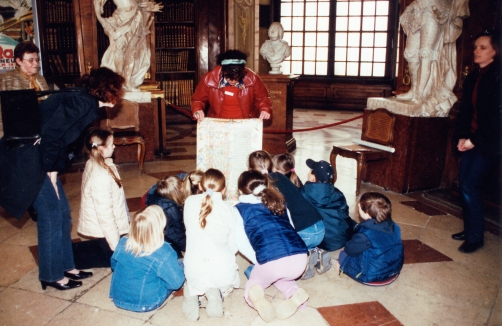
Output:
x=253 y=182
x=94 y=139
x=212 y=181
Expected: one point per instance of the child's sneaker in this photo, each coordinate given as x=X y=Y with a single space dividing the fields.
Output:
x=312 y=260
x=214 y=306
x=190 y=305
x=287 y=308
x=324 y=263
x=260 y=304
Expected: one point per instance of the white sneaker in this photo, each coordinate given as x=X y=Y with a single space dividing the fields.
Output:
x=260 y=304
x=287 y=308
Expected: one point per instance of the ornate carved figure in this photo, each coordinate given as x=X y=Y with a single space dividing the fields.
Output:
x=128 y=53
x=275 y=50
x=432 y=27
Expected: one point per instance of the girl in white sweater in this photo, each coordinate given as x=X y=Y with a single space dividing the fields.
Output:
x=210 y=266
x=103 y=208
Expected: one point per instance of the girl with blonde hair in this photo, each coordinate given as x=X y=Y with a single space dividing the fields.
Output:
x=103 y=209
x=210 y=266
x=145 y=268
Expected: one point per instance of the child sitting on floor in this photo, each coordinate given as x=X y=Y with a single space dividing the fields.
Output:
x=285 y=164
x=280 y=252
x=210 y=262
x=168 y=194
x=145 y=268
x=375 y=252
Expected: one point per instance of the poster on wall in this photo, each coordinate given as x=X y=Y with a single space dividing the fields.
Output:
x=16 y=25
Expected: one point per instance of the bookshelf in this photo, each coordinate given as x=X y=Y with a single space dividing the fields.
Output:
x=58 y=42
x=175 y=50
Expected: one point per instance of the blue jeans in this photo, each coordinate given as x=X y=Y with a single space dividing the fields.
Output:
x=313 y=235
x=474 y=168
x=55 y=255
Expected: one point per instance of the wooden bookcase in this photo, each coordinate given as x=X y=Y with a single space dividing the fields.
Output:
x=175 y=43
x=58 y=48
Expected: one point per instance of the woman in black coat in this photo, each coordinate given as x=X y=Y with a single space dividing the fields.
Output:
x=29 y=173
x=478 y=133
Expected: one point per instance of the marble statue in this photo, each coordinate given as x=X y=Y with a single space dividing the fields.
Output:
x=275 y=50
x=432 y=27
x=127 y=28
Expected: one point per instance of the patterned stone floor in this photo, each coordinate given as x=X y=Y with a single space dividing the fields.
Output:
x=438 y=285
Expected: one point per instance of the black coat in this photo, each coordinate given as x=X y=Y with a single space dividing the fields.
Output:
x=64 y=116
x=488 y=111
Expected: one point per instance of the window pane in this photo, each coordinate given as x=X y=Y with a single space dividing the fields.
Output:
x=285 y=9
x=296 y=53
x=355 y=8
x=287 y=37
x=354 y=23
x=340 y=54
x=342 y=8
x=310 y=39
x=367 y=39
x=297 y=39
x=286 y=23
x=368 y=23
x=297 y=67
x=322 y=54
x=379 y=69
x=340 y=68
x=310 y=53
x=298 y=9
x=381 y=24
x=366 y=69
x=380 y=54
x=297 y=24
x=310 y=23
x=382 y=8
x=354 y=39
x=342 y=23
x=323 y=9
x=322 y=39
x=381 y=39
x=341 y=39
x=353 y=54
x=323 y=24
x=311 y=9
x=352 y=68
x=285 y=68
x=321 y=68
x=368 y=8
x=367 y=54
x=309 y=68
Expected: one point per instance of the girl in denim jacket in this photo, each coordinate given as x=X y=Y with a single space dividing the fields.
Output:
x=145 y=268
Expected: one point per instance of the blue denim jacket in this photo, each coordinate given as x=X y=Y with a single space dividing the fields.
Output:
x=143 y=283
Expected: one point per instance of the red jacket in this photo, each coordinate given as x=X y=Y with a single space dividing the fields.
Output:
x=253 y=99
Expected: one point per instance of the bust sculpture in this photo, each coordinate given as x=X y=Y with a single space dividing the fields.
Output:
x=127 y=28
x=275 y=50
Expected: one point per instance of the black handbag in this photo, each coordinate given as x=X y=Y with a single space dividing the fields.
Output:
x=20 y=116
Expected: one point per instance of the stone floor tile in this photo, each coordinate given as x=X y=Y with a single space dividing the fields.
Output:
x=16 y=262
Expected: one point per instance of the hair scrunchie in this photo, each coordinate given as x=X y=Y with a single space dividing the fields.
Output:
x=94 y=145
x=209 y=192
x=263 y=171
x=292 y=170
x=258 y=189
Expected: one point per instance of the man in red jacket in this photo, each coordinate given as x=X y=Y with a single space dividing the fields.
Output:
x=232 y=91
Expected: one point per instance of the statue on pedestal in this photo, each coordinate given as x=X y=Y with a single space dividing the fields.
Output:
x=275 y=50
x=432 y=27
x=128 y=53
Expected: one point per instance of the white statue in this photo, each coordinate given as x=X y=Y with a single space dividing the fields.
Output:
x=128 y=53
x=275 y=50
x=432 y=27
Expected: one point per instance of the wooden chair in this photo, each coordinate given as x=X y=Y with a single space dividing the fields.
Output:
x=378 y=127
x=123 y=120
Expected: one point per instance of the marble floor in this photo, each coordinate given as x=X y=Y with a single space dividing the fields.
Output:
x=437 y=286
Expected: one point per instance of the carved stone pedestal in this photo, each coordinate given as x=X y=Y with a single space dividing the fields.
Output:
x=418 y=162
x=280 y=88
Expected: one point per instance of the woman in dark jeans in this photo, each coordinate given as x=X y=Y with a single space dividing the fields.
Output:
x=478 y=133
x=29 y=173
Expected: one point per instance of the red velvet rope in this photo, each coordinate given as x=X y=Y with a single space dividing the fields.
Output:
x=189 y=115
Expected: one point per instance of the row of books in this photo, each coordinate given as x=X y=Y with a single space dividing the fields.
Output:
x=58 y=11
x=63 y=64
x=178 y=92
x=166 y=60
x=61 y=38
x=176 y=12
x=169 y=36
